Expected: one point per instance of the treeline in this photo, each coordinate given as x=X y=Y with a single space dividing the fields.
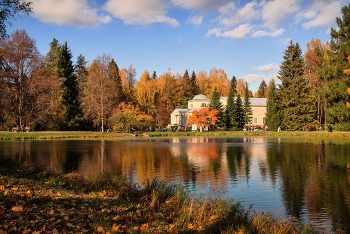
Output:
x=315 y=88
x=51 y=92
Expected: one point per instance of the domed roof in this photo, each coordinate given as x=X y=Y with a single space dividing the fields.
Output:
x=200 y=97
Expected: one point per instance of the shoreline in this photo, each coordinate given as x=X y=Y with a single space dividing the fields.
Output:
x=4 y=135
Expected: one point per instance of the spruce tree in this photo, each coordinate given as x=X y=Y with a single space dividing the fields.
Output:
x=215 y=104
x=239 y=112
x=262 y=90
x=231 y=108
x=70 y=95
x=193 y=85
x=273 y=113
x=113 y=73
x=297 y=104
x=247 y=107
x=332 y=73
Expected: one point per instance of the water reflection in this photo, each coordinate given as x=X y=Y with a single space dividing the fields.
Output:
x=306 y=178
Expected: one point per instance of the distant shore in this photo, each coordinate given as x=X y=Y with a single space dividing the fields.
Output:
x=5 y=135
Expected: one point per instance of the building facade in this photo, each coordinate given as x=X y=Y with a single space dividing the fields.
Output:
x=179 y=116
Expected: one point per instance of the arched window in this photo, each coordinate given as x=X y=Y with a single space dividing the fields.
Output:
x=204 y=105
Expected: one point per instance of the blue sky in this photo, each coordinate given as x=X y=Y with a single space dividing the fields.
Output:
x=245 y=38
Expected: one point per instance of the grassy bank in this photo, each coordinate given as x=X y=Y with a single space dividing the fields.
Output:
x=59 y=135
x=91 y=135
x=37 y=202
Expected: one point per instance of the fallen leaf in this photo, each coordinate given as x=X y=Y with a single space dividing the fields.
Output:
x=17 y=209
x=100 y=229
x=115 y=228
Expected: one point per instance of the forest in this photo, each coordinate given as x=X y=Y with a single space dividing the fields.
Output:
x=52 y=92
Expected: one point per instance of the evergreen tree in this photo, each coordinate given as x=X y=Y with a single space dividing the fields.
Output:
x=239 y=112
x=81 y=72
x=215 y=104
x=154 y=76
x=332 y=73
x=113 y=73
x=231 y=108
x=262 y=90
x=69 y=99
x=273 y=114
x=194 y=89
x=247 y=108
x=297 y=106
x=186 y=85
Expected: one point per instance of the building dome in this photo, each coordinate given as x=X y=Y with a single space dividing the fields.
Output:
x=200 y=97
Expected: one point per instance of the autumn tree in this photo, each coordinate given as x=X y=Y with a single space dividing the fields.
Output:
x=146 y=90
x=247 y=108
x=98 y=101
x=127 y=114
x=204 y=84
x=19 y=66
x=203 y=117
x=128 y=78
x=215 y=104
x=10 y=8
x=170 y=93
x=296 y=104
x=218 y=79
x=314 y=56
x=240 y=87
x=273 y=116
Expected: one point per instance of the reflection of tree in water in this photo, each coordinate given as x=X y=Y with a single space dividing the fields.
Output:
x=238 y=161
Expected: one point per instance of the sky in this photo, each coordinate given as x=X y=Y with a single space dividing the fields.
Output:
x=245 y=38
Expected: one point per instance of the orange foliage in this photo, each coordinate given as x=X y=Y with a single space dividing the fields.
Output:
x=203 y=117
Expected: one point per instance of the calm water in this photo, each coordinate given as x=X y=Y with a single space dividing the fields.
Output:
x=308 y=179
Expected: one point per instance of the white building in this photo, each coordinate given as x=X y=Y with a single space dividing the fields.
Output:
x=179 y=116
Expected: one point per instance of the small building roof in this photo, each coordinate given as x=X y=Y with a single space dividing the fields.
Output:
x=199 y=97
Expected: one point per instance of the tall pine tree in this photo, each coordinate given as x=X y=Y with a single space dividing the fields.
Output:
x=231 y=107
x=262 y=91
x=215 y=104
x=239 y=111
x=297 y=106
x=70 y=95
x=273 y=113
x=337 y=106
x=113 y=73
x=247 y=107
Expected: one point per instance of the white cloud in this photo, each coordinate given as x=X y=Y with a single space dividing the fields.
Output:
x=268 y=67
x=201 y=5
x=272 y=33
x=255 y=78
x=76 y=13
x=232 y=16
x=275 y=12
x=240 y=32
x=321 y=14
x=195 y=20
x=143 y=12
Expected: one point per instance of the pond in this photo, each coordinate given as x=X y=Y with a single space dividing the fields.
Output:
x=305 y=178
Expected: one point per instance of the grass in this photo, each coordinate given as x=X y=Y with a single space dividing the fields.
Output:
x=34 y=201
x=92 y=135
